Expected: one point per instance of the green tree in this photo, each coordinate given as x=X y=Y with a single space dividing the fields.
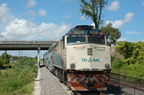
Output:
x=132 y=64
x=132 y=52
x=93 y=9
x=125 y=48
x=138 y=50
x=6 y=58
x=112 y=34
x=1 y=61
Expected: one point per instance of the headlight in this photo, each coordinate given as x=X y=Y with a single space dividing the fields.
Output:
x=107 y=65
x=72 y=66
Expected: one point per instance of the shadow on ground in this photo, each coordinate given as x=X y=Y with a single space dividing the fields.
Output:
x=42 y=66
x=113 y=90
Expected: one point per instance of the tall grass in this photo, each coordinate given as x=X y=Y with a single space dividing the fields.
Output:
x=14 y=81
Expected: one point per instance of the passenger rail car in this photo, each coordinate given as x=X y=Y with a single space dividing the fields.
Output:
x=81 y=59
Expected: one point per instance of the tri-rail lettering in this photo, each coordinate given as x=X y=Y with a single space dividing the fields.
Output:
x=90 y=60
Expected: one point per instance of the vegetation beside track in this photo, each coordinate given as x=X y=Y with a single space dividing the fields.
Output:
x=18 y=78
x=129 y=60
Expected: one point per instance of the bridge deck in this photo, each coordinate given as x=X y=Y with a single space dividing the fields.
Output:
x=25 y=45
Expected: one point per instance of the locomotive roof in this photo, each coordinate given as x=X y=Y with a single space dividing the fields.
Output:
x=84 y=30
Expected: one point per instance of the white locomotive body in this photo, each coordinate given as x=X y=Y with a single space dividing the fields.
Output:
x=81 y=59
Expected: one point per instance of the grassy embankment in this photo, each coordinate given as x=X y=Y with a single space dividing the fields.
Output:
x=18 y=80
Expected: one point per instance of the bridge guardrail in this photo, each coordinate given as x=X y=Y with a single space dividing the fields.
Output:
x=27 y=42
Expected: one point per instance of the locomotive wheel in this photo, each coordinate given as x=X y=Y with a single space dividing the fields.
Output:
x=55 y=72
x=64 y=77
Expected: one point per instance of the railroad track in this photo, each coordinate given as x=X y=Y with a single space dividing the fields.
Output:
x=125 y=83
x=88 y=93
x=117 y=82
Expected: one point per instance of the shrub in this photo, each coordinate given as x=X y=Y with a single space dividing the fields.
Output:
x=117 y=63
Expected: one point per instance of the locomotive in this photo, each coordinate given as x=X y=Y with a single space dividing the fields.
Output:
x=81 y=59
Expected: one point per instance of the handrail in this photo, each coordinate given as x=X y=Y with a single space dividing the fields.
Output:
x=127 y=81
x=126 y=76
x=27 y=42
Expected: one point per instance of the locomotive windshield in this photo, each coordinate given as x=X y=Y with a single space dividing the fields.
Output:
x=76 y=39
x=86 y=39
x=96 y=39
x=81 y=35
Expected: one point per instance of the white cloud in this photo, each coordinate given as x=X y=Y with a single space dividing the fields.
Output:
x=115 y=24
x=83 y=18
x=42 y=12
x=128 y=17
x=121 y=39
x=67 y=16
x=133 y=33
x=52 y=31
x=120 y=23
x=93 y=24
x=114 y=6
x=31 y=3
x=3 y=9
x=20 y=29
x=4 y=16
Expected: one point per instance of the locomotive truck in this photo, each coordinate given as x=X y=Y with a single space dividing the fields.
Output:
x=81 y=59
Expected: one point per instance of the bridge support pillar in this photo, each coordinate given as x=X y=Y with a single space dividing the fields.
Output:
x=38 y=57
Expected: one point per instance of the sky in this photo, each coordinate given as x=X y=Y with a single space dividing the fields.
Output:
x=48 y=20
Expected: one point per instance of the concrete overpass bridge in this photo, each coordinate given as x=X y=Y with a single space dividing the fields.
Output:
x=26 y=45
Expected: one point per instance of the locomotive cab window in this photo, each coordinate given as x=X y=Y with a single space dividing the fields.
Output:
x=76 y=39
x=96 y=39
